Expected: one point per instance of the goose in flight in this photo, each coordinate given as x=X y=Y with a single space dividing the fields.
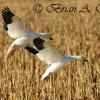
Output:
x=13 y=25
x=51 y=56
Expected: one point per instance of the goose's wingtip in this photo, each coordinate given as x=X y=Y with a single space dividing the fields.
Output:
x=51 y=38
x=42 y=78
x=85 y=59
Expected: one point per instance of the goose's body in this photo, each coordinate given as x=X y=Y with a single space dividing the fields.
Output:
x=15 y=29
x=51 y=56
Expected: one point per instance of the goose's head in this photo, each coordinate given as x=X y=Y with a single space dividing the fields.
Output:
x=47 y=35
x=82 y=58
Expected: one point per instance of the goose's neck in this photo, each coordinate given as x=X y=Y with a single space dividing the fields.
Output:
x=73 y=58
x=44 y=34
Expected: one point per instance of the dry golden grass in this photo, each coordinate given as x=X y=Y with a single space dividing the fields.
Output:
x=74 y=34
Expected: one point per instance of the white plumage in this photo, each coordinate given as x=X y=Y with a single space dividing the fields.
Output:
x=15 y=28
x=55 y=60
x=51 y=56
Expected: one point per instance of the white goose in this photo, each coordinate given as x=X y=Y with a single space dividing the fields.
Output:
x=51 y=56
x=15 y=29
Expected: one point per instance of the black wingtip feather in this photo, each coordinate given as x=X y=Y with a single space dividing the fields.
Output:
x=7 y=15
x=39 y=43
x=32 y=50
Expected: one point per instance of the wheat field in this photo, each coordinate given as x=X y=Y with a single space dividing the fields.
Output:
x=73 y=33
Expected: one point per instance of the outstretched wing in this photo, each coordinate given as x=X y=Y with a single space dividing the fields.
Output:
x=22 y=42
x=46 y=53
x=12 y=24
x=51 y=69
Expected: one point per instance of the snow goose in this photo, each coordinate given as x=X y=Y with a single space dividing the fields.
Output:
x=15 y=29
x=51 y=56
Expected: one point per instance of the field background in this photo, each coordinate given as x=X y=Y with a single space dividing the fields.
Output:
x=73 y=33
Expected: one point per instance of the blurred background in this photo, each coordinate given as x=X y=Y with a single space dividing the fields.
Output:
x=74 y=34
